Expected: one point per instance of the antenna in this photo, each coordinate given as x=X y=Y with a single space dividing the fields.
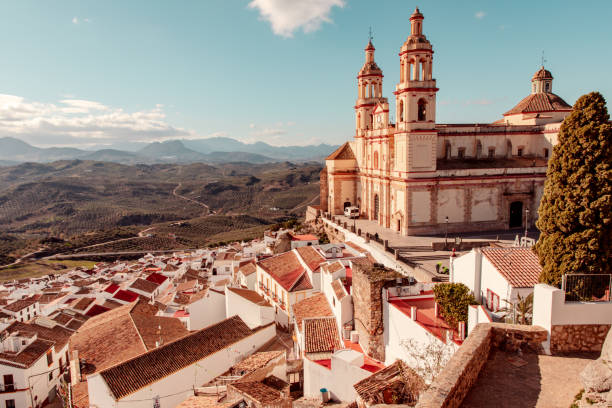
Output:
x=543 y=59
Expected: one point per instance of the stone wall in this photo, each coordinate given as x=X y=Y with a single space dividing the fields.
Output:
x=577 y=337
x=454 y=382
x=368 y=283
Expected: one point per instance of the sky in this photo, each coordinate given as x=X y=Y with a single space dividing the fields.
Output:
x=91 y=74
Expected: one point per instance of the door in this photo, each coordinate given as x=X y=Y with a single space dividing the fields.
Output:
x=516 y=214
x=376 y=207
x=347 y=204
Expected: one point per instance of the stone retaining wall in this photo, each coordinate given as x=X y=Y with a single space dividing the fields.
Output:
x=452 y=385
x=577 y=337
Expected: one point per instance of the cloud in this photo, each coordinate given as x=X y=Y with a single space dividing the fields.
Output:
x=287 y=16
x=80 y=122
x=76 y=20
x=480 y=15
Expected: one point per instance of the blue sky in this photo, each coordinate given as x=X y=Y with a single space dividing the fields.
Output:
x=96 y=73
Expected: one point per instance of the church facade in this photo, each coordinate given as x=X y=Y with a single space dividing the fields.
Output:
x=417 y=176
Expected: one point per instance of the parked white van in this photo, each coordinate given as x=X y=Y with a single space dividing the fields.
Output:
x=351 y=212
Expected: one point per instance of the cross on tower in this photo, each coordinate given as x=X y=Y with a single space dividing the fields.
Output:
x=543 y=59
x=370 y=37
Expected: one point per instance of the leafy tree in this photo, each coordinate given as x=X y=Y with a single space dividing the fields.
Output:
x=575 y=214
x=453 y=300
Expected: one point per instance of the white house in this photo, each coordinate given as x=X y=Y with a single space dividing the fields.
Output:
x=335 y=286
x=23 y=309
x=300 y=240
x=497 y=276
x=250 y=306
x=199 y=308
x=32 y=358
x=246 y=275
x=167 y=375
x=413 y=323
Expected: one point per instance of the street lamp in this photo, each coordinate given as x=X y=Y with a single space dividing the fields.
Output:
x=446 y=233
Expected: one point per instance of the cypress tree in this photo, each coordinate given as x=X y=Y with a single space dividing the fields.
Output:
x=575 y=214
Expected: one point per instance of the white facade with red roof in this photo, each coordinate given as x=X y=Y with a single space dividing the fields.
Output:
x=497 y=276
x=300 y=240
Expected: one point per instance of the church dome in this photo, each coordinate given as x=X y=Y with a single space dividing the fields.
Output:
x=542 y=74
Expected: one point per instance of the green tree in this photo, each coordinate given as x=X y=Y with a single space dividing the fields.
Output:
x=576 y=208
x=453 y=300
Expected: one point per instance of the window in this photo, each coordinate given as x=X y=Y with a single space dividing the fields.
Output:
x=492 y=301
x=375 y=160
x=51 y=376
x=447 y=151
x=401 y=111
x=519 y=152
x=478 y=149
x=9 y=384
x=546 y=153
x=422 y=111
x=49 y=357
x=491 y=152
x=461 y=152
x=547 y=86
x=10 y=403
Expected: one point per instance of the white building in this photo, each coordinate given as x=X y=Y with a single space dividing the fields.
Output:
x=167 y=375
x=22 y=310
x=250 y=306
x=497 y=276
x=32 y=358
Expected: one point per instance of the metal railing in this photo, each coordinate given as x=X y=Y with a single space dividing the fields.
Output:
x=587 y=287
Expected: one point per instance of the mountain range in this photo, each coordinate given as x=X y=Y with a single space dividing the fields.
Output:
x=210 y=150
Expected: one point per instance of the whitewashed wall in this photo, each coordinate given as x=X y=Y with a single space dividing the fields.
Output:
x=253 y=315
x=206 y=311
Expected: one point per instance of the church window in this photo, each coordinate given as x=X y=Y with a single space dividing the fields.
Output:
x=422 y=110
x=547 y=86
x=447 y=151
x=546 y=153
x=371 y=121
x=478 y=149
x=519 y=152
x=461 y=152
x=375 y=160
x=491 y=152
x=401 y=111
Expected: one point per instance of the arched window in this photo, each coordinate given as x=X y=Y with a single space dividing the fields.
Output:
x=447 y=150
x=358 y=119
x=422 y=106
x=509 y=149
x=548 y=87
x=401 y=111
x=371 y=126
x=478 y=149
x=375 y=160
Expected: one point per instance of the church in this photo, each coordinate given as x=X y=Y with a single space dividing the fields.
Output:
x=417 y=176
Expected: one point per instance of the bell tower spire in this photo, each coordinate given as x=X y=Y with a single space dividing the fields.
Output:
x=369 y=89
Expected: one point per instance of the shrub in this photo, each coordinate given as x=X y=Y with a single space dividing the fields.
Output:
x=453 y=300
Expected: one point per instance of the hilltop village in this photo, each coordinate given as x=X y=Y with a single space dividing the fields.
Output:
x=413 y=282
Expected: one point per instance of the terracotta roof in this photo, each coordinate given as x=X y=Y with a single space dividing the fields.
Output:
x=335 y=267
x=303 y=283
x=144 y=285
x=20 y=304
x=96 y=310
x=321 y=335
x=314 y=306
x=83 y=303
x=157 y=278
x=111 y=304
x=188 y=298
x=138 y=372
x=248 y=269
x=206 y=401
x=251 y=296
x=540 y=102
x=186 y=286
x=344 y=152
x=397 y=377
x=126 y=295
x=542 y=74
x=122 y=333
x=255 y=361
x=57 y=334
x=370 y=46
x=261 y=391
x=304 y=237
x=285 y=269
x=520 y=266
x=338 y=288
x=311 y=257
x=29 y=355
